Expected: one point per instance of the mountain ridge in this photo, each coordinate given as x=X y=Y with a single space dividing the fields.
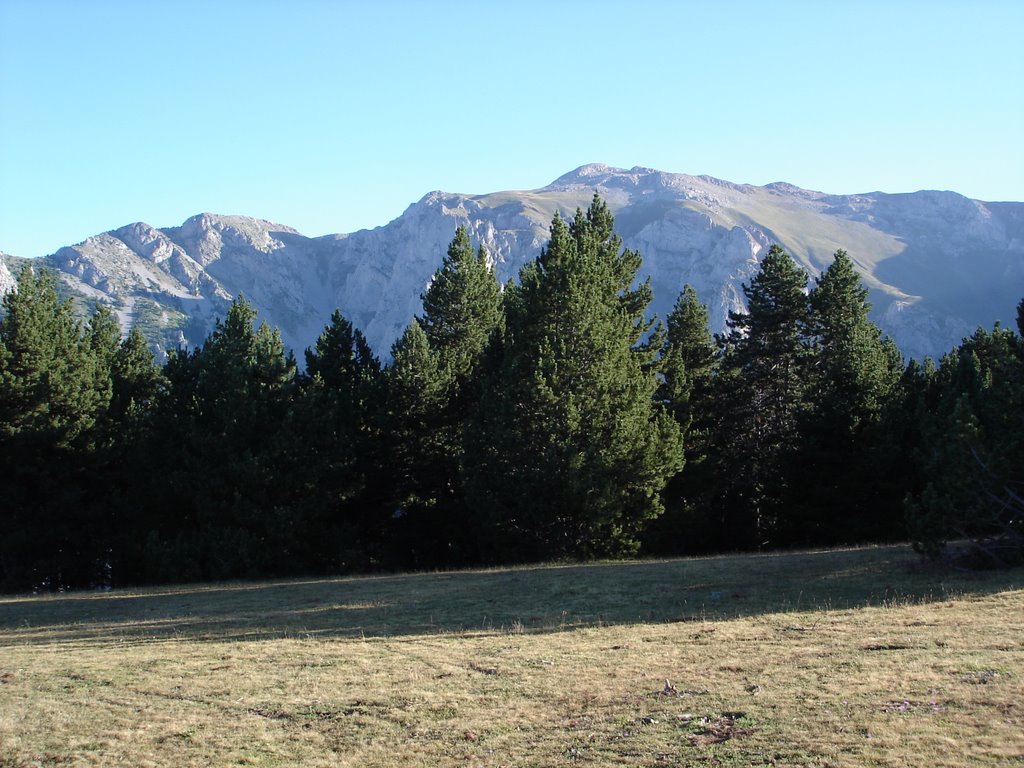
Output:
x=937 y=264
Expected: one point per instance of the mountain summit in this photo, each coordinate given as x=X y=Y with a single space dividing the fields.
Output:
x=937 y=264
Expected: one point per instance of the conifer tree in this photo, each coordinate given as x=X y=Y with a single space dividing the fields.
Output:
x=48 y=371
x=461 y=308
x=341 y=357
x=223 y=500
x=137 y=383
x=760 y=400
x=462 y=313
x=578 y=451
x=336 y=429
x=103 y=337
x=688 y=356
x=855 y=364
x=686 y=366
x=52 y=392
x=842 y=454
x=426 y=529
x=972 y=451
x=135 y=378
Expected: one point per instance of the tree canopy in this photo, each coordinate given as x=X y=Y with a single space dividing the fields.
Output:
x=551 y=418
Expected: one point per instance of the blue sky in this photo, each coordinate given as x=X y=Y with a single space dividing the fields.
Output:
x=334 y=116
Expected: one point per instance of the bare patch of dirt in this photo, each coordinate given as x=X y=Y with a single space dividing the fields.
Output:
x=722 y=728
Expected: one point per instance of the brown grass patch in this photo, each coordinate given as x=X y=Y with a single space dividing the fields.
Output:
x=847 y=658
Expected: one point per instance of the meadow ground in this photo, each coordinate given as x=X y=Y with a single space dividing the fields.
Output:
x=842 y=658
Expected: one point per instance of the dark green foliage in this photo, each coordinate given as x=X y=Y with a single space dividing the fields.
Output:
x=342 y=359
x=135 y=379
x=461 y=308
x=799 y=443
x=123 y=490
x=843 y=445
x=423 y=471
x=972 y=450
x=760 y=402
x=433 y=387
x=891 y=446
x=856 y=368
x=550 y=419
x=577 y=451
x=49 y=370
x=687 y=365
x=223 y=505
x=688 y=357
x=337 y=472
x=54 y=388
x=103 y=337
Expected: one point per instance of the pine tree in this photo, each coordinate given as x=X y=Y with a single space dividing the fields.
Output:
x=900 y=431
x=462 y=314
x=855 y=364
x=418 y=459
x=338 y=444
x=137 y=384
x=342 y=358
x=688 y=356
x=225 y=496
x=687 y=363
x=761 y=398
x=103 y=337
x=972 y=451
x=578 y=452
x=854 y=375
x=461 y=308
x=135 y=378
x=53 y=390
x=48 y=371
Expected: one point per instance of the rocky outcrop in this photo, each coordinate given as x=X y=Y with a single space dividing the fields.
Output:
x=937 y=264
x=8 y=282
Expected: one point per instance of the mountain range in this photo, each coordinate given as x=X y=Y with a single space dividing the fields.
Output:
x=937 y=264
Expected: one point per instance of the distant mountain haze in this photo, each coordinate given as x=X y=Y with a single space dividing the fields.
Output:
x=937 y=264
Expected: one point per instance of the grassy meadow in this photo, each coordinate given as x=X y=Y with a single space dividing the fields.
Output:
x=842 y=658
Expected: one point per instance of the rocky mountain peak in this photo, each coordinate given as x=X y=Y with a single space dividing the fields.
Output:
x=937 y=264
x=146 y=240
x=585 y=174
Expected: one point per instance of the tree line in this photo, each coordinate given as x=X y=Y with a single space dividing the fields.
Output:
x=550 y=418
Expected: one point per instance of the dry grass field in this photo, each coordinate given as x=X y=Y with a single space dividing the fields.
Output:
x=843 y=658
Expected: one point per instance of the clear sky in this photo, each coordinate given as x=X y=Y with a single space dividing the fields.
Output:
x=334 y=116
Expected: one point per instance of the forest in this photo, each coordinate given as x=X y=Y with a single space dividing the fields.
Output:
x=548 y=419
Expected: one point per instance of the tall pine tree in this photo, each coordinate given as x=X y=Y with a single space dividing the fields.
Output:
x=223 y=502
x=54 y=389
x=461 y=308
x=137 y=384
x=688 y=357
x=972 y=451
x=843 y=457
x=577 y=451
x=687 y=364
x=462 y=314
x=336 y=434
x=425 y=486
x=761 y=398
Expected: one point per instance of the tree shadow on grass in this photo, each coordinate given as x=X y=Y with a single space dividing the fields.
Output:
x=547 y=598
